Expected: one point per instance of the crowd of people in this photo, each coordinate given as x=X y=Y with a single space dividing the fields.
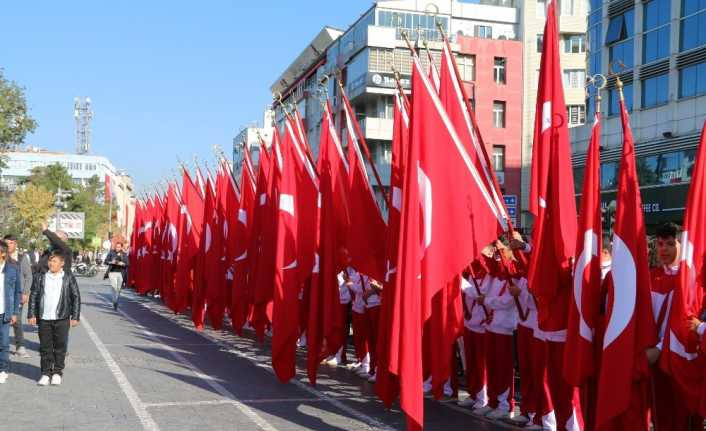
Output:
x=501 y=343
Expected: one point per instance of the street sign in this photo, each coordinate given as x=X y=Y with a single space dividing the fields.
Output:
x=511 y=205
x=73 y=223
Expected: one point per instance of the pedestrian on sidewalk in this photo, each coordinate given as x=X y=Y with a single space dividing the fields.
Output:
x=21 y=260
x=117 y=261
x=10 y=298
x=54 y=304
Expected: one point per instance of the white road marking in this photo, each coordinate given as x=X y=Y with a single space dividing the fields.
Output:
x=140 y=410
x=368 y=420
x=247 y=411
x=226 y=401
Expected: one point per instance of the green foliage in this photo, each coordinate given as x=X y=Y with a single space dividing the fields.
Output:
x=89 y=199
x=32 y=207
x=15 y=121
x=51 y=177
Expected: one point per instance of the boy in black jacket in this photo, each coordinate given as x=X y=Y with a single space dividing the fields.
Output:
x=54 y=304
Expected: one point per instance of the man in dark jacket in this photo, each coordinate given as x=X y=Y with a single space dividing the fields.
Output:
x=57 y=241
x=54 y=305
x=10 y=299
x=117 y=261
x=22 y=261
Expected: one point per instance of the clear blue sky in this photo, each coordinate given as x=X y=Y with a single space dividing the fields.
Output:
x=166 y=78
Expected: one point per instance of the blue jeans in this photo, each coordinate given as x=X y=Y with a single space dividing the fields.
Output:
x=4 y=344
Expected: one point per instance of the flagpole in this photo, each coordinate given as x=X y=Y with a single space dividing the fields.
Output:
x=289 y=116
x=366 y=151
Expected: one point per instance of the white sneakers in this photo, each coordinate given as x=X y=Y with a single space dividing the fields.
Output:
x=498 y=414
x=45 y=381
x=22 y=353
x=520 y=420
x=3 y=377
x=482 y=411
x=55 y=380
x=468 y=402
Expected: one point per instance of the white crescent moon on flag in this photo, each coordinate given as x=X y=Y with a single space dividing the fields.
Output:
x=425 y=199
x=624 y=275
x=590 y=250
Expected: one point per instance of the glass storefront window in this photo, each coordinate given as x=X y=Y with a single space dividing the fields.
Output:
x=417 y=25
x=647 y=170
x=609 y=176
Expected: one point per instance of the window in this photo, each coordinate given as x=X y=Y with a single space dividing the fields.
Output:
x=576 y=114
x=647 y=170
x=499 y=158
x=670 y=168
x=609 y=175
x=499 y=70
x=574 y=78
x=380 y=59
x=499 y=114
x=693 y=24
x=466 y=67
x=579 y=172
x=655 y=91
x=575 y=44
x=417 y=25
x=692 y=80
x=484 y=31
x=622 y=53
x=614 y=107
x=540 y=42
x=655 y=45
x=567 y=7
x=541 y=9
x=619 y=37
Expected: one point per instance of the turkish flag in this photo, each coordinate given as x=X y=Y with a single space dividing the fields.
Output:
x=386 y=385
x=285 y=312
x=630 y=328
x=455 y=101
x=240 y=305
x=325 y=319
x=205 y=255
x=681 y=357
x=443 y=192
x=144 y=253
x=366 y=232
x=263 y=275
x=230 y=213
x=584 y=308
x=170 y=245
x=155 y=274
x=188 y=247
x=552 y=198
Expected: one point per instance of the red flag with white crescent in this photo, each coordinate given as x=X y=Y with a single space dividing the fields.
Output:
x=681 y=356
x=630 y=327
x=584 y=307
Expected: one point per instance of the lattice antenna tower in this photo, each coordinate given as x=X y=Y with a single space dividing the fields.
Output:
x=83 y=114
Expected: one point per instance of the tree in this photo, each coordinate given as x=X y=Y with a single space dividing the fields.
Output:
x=32 y=207
x=88 y=199
x=15 y=121
x=51 y=177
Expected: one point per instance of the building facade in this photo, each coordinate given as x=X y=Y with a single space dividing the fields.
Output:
x=571 y=17
x=658 y=49
x=484 y=39
x=81 y=167
x=249 y=138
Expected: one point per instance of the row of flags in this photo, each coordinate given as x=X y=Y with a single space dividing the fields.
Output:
x=268 y=249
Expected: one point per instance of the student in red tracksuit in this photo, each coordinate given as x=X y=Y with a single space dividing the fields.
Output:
x=669 y=410
x=474 y=322
x=552 y=326
x=371 y=296
x=355 y=282
x=345 y=301
x=499 y=343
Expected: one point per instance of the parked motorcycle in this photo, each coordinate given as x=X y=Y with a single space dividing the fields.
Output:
x=84 y=270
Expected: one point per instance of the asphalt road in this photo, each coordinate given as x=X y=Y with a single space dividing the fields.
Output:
x=143 y=368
